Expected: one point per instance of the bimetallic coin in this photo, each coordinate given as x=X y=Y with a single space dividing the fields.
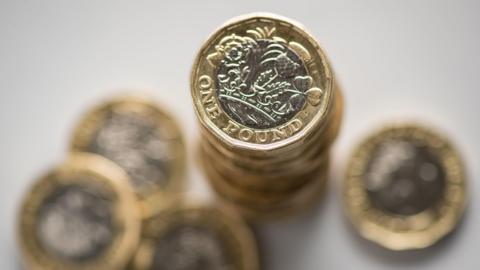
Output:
x=261 y=82
x=141 y=138
x=81 y=215
x=405 y=187
x=196 y=237
x=309 y=150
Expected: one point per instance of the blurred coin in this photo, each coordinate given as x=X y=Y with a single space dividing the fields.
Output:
x=405 y=187
x=196 y=237
x=139 y=136
x=81 y=215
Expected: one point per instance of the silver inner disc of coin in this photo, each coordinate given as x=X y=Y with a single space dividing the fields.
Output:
x=138 y=145
x=188 y=247
x=75 y=223
x=261 y=83
x=404 y=177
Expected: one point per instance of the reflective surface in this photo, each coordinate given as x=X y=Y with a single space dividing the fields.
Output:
x=137 y=144
x=261 y=83
x=404 y=178
x=75 y=223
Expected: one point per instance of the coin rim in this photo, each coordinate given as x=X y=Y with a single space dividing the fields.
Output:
x=243 y=236
x=176 y=181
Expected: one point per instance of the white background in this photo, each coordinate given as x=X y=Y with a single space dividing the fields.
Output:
x=395 y=59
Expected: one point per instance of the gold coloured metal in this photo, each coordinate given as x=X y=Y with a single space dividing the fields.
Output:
x=309 y=150
x=289 y=34
x=256 y=209
x=405 y=187
x=269 y=110
x=196 y=236
x=141 y=137
x=81 y=215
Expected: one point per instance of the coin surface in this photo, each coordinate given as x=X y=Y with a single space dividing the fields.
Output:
x=81 y=215
x=297 y=162
x=405 y=187
x=196 y=236
x=139 y=136
x=261 y=82
x=311 y=149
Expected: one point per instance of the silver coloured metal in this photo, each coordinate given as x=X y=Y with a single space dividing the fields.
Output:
x=75 y=223
x=404 y=178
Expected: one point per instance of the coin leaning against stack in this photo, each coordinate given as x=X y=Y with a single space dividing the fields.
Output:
x=269 y=109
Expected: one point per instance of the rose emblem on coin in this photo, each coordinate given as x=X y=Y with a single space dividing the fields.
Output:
x=261 y=81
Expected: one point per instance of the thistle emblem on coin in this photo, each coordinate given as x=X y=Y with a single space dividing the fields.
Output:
x=261 y=79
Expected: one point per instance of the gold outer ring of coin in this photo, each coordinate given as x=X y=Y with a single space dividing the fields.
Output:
x=420 y=230
x=297 y=203
x=309 y=118
x=275 y=182
x=260 y=196
x=280 y=183
x=90 y=123
x=311 y=149
x=222 y=218
x=101 y=172
x=326 y=134
x=308 y=158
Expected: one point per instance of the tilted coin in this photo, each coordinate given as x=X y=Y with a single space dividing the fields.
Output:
x=261 y=83
x=405 y=187
x=139 y=136
x=81 y=215
x=196 y=237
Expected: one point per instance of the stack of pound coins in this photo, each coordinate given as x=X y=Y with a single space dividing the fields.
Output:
x=269 y=109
